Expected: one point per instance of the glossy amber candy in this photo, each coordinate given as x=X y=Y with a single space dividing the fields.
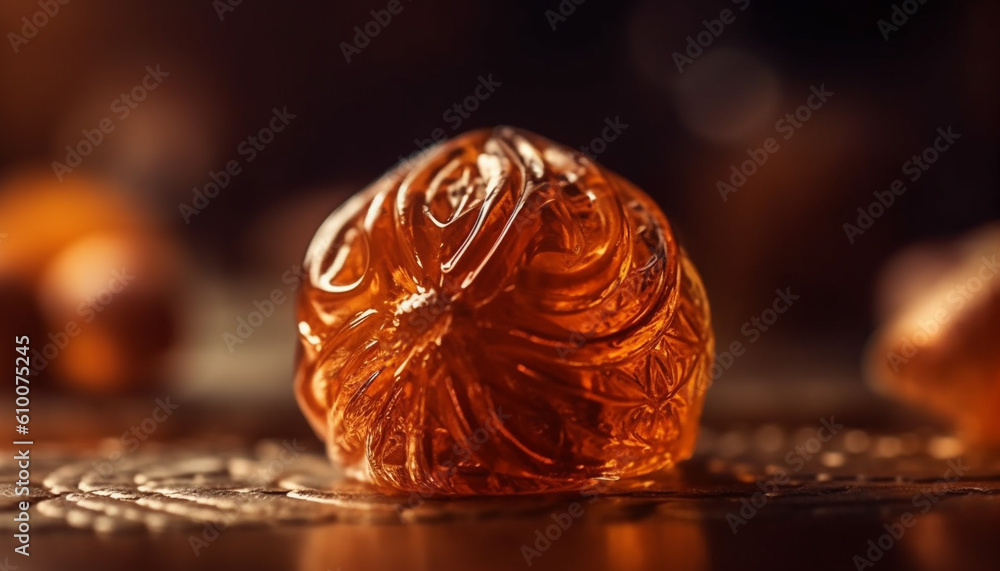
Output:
x=501 y=315
x=940 y=347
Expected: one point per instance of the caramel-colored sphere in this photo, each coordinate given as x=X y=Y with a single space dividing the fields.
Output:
x=501 y=315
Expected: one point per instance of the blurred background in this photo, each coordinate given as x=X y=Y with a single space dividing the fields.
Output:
x=199 y=145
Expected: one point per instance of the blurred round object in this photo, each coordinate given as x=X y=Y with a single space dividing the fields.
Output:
x=116 y=288
x=172 y=143
x=903 y=280
x=727 y=96
x=939 y=346
x=92 y=281
x=154 y=126
x=40 y=216
x=657 y=35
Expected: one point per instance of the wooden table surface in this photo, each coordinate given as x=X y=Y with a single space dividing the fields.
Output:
x=202 y=499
